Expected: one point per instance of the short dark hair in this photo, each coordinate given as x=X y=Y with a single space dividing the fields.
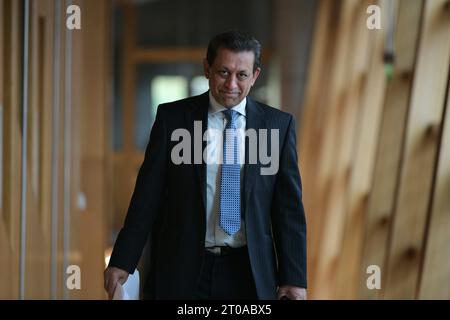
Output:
x=235 y=41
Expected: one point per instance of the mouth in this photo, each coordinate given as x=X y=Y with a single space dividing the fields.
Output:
x=230 y=94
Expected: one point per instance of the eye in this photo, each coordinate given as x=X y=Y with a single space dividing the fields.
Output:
x=223 y=73
x=242 y=76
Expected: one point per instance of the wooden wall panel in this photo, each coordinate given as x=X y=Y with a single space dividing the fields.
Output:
x=342 y=110
x=10 y=20
x=424 y=126
x=322 y=177
x=369 y=150
x=435 y=275
x=91 y=143
x=38 y=236
x=387 y=163
x=310 y=133
x=58 y=144
x=362 y=159
x=81 y=150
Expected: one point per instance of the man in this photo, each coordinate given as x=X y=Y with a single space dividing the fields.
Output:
x=219 y=229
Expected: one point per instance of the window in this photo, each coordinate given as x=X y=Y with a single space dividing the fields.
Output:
x=157 y=89
x=199 y=85
x=167 y=89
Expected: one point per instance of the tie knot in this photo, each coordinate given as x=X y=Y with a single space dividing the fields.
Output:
x=231 y=115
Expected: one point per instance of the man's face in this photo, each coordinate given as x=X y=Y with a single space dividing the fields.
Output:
x=231 y=76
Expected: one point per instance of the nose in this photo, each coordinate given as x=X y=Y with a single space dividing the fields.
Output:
x=231 y=82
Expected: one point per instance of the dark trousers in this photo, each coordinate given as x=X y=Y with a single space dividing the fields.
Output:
x=227 y=276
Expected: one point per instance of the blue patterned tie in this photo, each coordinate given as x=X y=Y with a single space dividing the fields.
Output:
x=230 y=190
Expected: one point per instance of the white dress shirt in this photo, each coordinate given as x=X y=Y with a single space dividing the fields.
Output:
x=215 y=235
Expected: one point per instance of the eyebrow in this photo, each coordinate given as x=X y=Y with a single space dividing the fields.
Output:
x=240 y=71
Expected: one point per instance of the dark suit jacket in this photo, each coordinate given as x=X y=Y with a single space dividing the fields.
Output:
x=169 y=204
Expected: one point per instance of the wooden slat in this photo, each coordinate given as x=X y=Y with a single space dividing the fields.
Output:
x=60 y=272
x=77 y=76
x=9 y=222
x=422 y=135
x=387 y=163
x=89 y=156
x=37 y=268
x=348 y=115
x=342 y=109
x=12 y=201
x=435 y=279
x=310 y=133
x=323 y=177
x=363 y=157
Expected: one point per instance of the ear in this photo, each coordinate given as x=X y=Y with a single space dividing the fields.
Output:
x=255 y=75
x=206 y=68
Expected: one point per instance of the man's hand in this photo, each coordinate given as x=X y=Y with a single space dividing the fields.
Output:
x=292 y=293
x=112 y=275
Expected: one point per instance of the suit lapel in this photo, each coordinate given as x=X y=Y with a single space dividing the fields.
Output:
x=255 y=120
x=198 y=111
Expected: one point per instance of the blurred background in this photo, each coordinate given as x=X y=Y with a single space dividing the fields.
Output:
x=373 y=123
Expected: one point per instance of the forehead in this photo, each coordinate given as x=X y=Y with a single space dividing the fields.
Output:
x=242 y=60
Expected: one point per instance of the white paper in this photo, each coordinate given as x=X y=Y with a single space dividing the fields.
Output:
x=129 y=290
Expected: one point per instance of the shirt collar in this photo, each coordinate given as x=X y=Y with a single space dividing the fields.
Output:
x=215 y=107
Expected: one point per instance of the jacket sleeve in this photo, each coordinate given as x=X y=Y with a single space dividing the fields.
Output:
x=288 y=215
x=146 y=200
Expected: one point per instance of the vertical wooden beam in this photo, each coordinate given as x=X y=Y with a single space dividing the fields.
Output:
x=310 y=133
x=336 y=145
x=61 y=253
x=363 y=161
x=90 y=111
x=387 y=163
x=39 y=151
x=424 y=126
x=7 y=271
x=10 y=34
x=12 y=163
x=435 y=279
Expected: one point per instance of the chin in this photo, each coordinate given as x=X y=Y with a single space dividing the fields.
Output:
x=230 y=102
